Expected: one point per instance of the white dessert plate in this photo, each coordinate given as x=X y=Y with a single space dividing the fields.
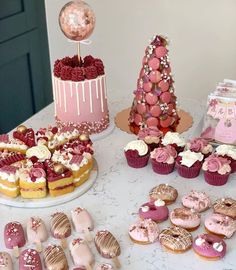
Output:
x=52 y=201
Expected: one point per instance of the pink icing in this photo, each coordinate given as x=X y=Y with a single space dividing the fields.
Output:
x=198 y=145
x=14 y=235
x=149 y=132
x=217 y=164
x=196 y=200
x=206 y=248
x=155 y=213
x=220 y=224
x=164 y=154
x=185 y=218
x=144 y=231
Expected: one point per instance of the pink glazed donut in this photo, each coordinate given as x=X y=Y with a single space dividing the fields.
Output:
x=209 y=246
x=156 y=211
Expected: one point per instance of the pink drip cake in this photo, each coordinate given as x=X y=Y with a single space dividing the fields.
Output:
x=80 y=94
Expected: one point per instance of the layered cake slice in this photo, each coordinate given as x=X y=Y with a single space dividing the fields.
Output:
x=9 y=181
x=80 y=94
x=12 y=145
x=26 y=135
x=60 y=179
x=8 y=158
x=33 y=182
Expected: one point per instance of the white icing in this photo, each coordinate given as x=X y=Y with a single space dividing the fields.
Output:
x=218 y=247
x=64 y=90
x=199 y=241
x=90 y=97
x=173 y=138
x=13 y=145
x=77 y=99
x=83 y=92
x=71 y=90
x=101 y=94
x=59 y=91
x=97 y=89
x=39 y=151
x=145 y=209
x=159 y=202
x=105 y=86
x=189 y=157
x=138 y=145
x=9 y=177
x=228 y=150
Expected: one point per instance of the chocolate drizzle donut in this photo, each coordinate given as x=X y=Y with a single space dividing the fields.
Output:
x=164 y=192
x=225 y=206
x=176 y=239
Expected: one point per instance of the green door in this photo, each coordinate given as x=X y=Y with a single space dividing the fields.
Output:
x=25 y=80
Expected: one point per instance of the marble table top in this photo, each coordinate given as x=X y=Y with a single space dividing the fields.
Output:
x=119 y=191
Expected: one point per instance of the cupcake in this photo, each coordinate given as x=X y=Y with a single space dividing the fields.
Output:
x=216 y=170
x=229 y=152
x=189 y=164
x=163 y=159
x=151 y=136
x=174 y=139
x=137 y=154
x=200 y=145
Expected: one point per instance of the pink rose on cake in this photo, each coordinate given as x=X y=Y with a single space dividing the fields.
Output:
x=200 y=145
x=151 y=136
x=217 y=170
x=163 y=159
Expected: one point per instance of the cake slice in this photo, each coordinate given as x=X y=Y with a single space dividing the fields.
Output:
x=25 y=135
x=9 y=181
x=60 y=179
x=44 y=135
x=12 y=145
x=8 y=158
x=33 y=182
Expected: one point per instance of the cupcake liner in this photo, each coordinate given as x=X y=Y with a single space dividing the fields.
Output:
x=233 y=165
x=215 y=179
x=137 y=162
x=178 y=149
x=187 y=172
x=162 y=168
x=152 y=146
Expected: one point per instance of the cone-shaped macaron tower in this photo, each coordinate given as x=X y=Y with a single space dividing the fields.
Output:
x=154 y=100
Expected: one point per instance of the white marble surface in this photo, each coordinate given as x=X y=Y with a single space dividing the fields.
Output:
x=119 y=191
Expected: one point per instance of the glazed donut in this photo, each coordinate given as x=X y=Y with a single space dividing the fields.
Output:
x=225 y=206
x=186 y=218
x=156 y=211
x=164 y=192
x=144 y=232
x=176 y=239
x=209 y=246
x=196 y=200
x=220 y=225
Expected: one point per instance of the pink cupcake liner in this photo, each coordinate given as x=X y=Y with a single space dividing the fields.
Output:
x=187 y=172
x=162 y=168
x=215 y=179
x=137 y=162
x=233 y=165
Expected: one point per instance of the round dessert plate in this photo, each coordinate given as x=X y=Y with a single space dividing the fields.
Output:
x=52 y=201
x=104 y=133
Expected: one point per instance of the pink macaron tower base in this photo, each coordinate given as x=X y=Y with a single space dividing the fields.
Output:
x=81 y=104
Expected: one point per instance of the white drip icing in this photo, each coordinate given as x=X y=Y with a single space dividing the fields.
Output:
x=56 y=90
x=83 y=91
x=90 y=97
x=64 y=90
x=101 y=94
x=97 y=88
x=71 y=85
x=105 y=86
x=59 y=90
x=77 y=98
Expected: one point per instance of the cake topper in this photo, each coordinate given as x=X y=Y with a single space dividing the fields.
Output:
x=77 y=21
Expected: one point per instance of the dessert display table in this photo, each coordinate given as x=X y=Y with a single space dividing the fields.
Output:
x=119 y=191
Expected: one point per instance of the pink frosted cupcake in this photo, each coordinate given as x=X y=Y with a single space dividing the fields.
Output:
x=137 y=154
x=151 y=136
x=163 y=159
x=229 y=152
x=174 y=139
x=217 y=170
x=200 y=145
x=189 y=164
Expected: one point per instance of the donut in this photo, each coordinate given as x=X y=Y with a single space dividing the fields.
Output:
x=209 y=246
x=225 y=206
x=164 y=192
x=156 y=211
x=220 y=225
x=176 y=239
x=186 y=218
x=144 y=232
x=196 y=200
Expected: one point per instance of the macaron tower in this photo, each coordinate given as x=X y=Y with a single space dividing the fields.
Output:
x=154 y=100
